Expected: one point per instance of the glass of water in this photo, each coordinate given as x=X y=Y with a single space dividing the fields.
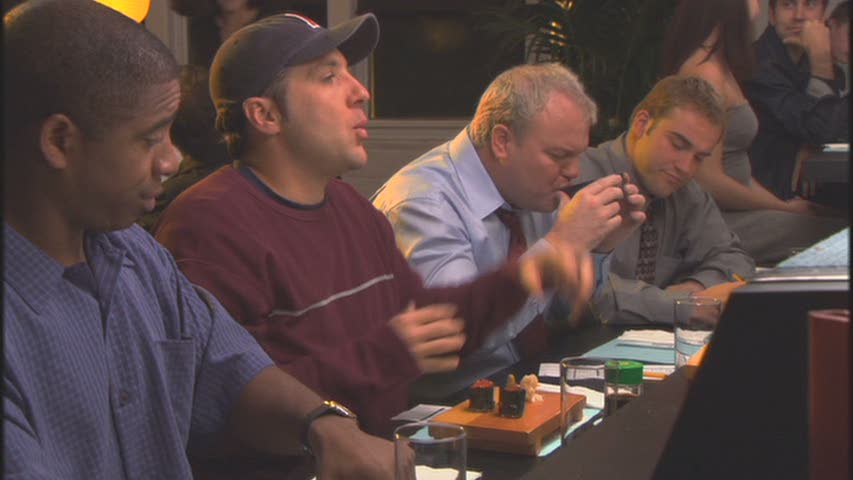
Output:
x=430 y=450
x=695 y=319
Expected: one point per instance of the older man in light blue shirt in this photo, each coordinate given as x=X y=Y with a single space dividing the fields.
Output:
x=448 y=207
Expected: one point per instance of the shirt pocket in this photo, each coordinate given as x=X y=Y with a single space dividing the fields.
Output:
x=178 y=371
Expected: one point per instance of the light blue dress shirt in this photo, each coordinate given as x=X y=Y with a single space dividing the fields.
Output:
x=114 y=367
x=442 y=207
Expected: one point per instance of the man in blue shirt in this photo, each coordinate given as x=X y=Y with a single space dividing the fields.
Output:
x=449 y=207
x=114 y=364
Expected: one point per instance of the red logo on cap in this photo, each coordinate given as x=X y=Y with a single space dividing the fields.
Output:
x=308 y=21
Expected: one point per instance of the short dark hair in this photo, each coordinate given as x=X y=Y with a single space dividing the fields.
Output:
x=773 y=3
x=194 y=132
x=79 y=58
x=683 y=91
x=231 y=121
x=693 y=22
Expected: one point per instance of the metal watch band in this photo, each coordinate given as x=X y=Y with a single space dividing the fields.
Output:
x=325 y=408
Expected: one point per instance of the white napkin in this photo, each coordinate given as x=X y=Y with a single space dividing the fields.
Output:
x=420 y=412
x=594 y=398
x=423 y=472
x=648 y=338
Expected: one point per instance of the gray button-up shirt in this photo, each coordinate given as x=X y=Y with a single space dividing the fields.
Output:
x=694 y=243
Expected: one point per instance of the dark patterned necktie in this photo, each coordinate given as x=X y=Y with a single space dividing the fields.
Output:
x=533 y=340
x=648 y=248
x=517 y=242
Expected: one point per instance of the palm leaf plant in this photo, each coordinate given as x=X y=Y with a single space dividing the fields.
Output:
x=613 y=45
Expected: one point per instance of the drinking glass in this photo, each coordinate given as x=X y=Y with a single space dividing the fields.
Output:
x=430 y=450
x=695 y=319
x=577 y=372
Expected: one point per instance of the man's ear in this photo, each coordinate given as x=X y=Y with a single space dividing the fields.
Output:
x=58 y=138
x=263 y=114
x=501 y=138
x=641 y=123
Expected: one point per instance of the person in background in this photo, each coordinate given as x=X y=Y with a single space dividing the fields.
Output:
x=194 y=133
x=711 y=40
x=839 y=40
x=450 y=207
x=792 y=53
x=210 y=22
x=684 y=247
x=305 y=262
x=114 y=365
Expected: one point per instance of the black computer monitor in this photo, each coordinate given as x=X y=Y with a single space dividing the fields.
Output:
x=746 y=411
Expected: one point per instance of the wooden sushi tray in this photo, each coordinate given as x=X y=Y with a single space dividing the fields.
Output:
x=525 y=435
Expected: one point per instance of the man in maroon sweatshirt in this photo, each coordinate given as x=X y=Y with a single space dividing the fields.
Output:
x=305 y=262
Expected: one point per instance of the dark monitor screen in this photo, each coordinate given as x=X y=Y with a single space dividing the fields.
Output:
x=746 y=412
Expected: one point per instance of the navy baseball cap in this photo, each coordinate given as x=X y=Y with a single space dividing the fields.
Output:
x=250 y=59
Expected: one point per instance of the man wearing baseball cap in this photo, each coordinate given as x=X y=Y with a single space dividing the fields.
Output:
x=305 y=262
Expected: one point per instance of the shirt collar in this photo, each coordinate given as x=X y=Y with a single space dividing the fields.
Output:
x=483 y=195
x=31 y=272
x=36 y=276
x=253 y=177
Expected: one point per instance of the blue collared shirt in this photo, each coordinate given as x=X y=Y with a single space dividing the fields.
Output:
x=113 y=367
x=442 y=207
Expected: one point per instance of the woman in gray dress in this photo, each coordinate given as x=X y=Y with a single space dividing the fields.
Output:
x=713 y=41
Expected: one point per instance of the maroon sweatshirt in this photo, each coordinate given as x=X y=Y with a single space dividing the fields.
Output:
x=317 y=286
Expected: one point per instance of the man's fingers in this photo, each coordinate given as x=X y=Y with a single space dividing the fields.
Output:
x=440 y=328
x=578 y=282
x=528 y=272
x=637 y=216
x=587 y=280
x=450 y=344
x=602 y=184
x=612 y=223
x=611 y=210
x=636 y=200
x=439 y=364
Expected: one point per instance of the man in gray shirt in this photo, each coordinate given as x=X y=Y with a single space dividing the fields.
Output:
x=684 y=247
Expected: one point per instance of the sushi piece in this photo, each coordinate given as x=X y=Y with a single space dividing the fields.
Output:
x=513 y=399
x=481 y=396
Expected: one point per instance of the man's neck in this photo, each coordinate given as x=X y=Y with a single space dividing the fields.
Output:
x=287 y=178
x=630 y=144
x=493 y=169
x=796 y=53
x=46 y=228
